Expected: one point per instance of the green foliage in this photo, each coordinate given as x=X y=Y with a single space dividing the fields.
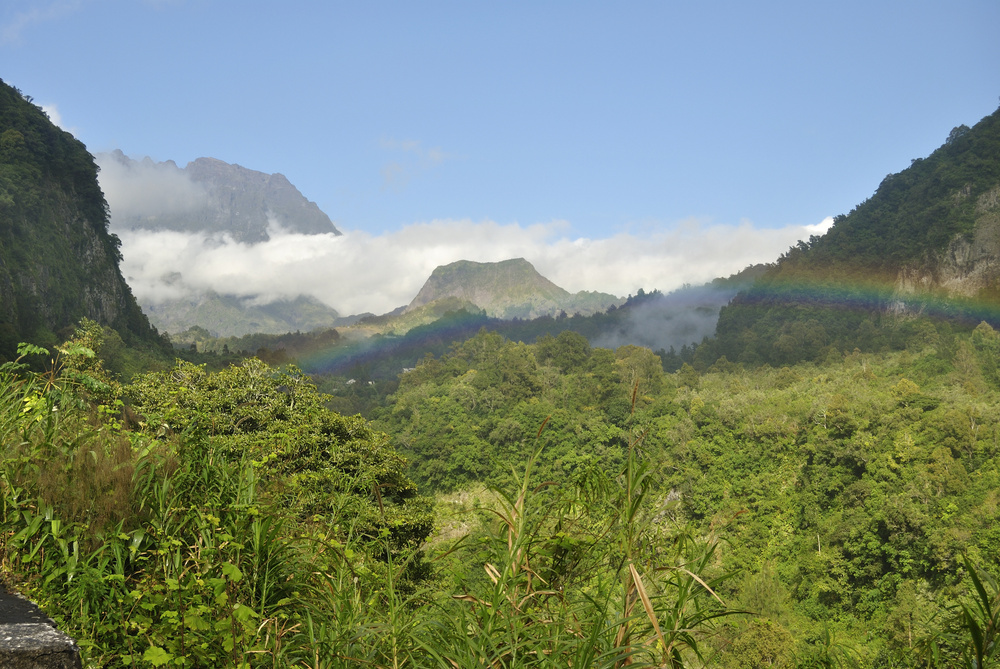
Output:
x=185 y=539
x=840 y=291
x=762 y=643
x=318 y=463
x=60 y=263
x=857 y=485
x=466 y=417
x=970 y=634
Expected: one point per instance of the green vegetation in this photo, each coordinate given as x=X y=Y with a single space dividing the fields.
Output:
x=229 y=316
x=931 y=227
x=853 y=496
x=840 y=514
x=507 y=289
x=815 y=487
x=227 y=519
x=59 y=263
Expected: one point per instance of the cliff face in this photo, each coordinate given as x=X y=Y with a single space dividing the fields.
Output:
x=207 y=195
x=970 y=266
x=58 y=262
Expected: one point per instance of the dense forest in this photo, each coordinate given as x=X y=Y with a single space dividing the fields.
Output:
x=933 y=225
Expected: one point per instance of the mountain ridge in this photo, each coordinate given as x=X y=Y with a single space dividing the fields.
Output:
x=231 y=316
x=927 y=242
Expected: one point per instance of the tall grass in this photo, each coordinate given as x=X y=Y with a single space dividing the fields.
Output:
x=590 y=573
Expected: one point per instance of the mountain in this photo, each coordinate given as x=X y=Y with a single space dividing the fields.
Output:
x=212 y=197
x=927 y=243
x=58 y=261
x=507 y=289
x=207 y=195
x=229 y=316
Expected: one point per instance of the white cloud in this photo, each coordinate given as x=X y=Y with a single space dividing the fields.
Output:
x=53 y=113
x=821 y=227
x=359 y=272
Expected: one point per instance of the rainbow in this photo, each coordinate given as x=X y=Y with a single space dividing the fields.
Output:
x=783 y=299
x=872 y=296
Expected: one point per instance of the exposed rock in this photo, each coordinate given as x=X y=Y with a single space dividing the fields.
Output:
x=29 y=638
x=208 y=195
x=970 y=266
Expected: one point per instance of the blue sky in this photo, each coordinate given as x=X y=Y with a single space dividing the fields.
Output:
x=596 y=121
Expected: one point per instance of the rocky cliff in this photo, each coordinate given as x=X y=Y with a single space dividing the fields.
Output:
x=970 y=265
x=58 y=261
x=207 y=195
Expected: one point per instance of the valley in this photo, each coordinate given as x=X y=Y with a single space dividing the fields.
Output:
x=794 y=466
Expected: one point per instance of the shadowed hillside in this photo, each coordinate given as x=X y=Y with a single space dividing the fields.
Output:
x=58 y=262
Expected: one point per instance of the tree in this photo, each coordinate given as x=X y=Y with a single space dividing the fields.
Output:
x=316 y=462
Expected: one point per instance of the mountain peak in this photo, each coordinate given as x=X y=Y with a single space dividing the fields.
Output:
x=207 y=195
x=507 y=289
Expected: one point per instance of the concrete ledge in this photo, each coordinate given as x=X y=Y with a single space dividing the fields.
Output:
x=29 y=639
x=36 y=646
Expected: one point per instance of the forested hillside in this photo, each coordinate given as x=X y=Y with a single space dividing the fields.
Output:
x=58 y=263
x=817 y=486
x=834 y=514
x=925 y=242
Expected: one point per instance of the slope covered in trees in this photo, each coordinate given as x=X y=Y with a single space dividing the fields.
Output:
x=236 y=522
x=925 y=242
x=835 y=508
x=58 y=263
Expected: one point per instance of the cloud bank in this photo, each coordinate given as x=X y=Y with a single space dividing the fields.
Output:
x=358 y=272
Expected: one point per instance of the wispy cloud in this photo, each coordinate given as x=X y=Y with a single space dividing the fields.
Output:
x=11 y=31
x=411 y=158
x=143 y=188
x=395 y=176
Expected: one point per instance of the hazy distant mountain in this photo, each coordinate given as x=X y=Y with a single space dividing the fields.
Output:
x=507 y=289
x=229 y=316
x=207 y=195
